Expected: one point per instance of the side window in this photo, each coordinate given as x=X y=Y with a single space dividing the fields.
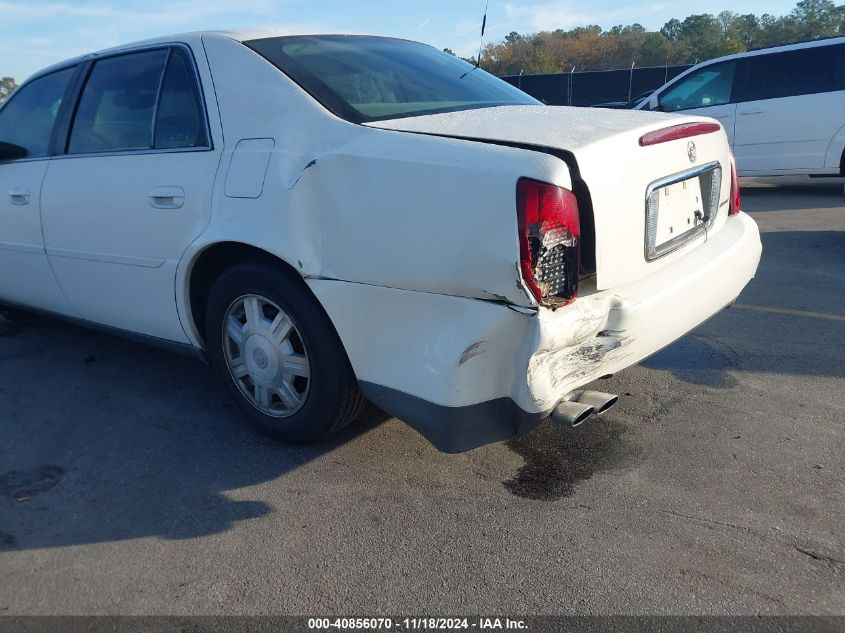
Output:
x=708 y=86
x=118 y=104
x=26 y=121
x=180 y=121
x=801 y=72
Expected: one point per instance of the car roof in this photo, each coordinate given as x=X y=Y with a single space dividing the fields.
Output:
x=239 y=35
x=781 y=48
x=825 y=41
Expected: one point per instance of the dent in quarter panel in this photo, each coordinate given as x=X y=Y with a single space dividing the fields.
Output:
x=377 y=207
x=248 y=168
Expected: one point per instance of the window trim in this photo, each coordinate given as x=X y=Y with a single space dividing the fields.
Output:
x=87 y=66
x=67 y=98
x=161 y=77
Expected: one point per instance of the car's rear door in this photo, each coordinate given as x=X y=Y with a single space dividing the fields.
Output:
x=132 y=190
x=792 y=108
x=27 y=122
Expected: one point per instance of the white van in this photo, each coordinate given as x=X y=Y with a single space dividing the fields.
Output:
x=783 y=108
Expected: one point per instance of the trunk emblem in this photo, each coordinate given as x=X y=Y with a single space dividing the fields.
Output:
x=692 y=152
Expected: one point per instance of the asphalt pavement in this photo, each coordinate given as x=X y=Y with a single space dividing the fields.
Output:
x=130 y=485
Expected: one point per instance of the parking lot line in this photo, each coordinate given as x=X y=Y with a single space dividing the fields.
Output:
x=791 y=312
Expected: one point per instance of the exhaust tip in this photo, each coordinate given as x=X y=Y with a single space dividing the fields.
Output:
x=571 y=413
x=607 y=405
x=583 y=418
x=601 y=402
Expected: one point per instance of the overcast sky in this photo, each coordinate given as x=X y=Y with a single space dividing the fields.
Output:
x=37 y=33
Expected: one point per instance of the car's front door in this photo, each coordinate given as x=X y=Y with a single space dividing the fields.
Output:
x=793 y=106
x=132 y=190
x=708 y=91
x=26 y=126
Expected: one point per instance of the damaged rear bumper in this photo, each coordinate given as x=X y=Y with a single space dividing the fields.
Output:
x=466 y=372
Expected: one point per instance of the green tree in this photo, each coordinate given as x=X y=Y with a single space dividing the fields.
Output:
x=778 y=30
x=745 y=29
x=655 y=50
x=7 y=87
x=702 y=36
x=513 y=37
x=817 y=18
x=695 y=38
x=671 y=30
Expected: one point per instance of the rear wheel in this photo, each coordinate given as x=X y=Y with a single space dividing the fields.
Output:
x=279 y=355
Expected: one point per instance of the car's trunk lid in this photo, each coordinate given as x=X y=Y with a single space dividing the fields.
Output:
x=602 y=147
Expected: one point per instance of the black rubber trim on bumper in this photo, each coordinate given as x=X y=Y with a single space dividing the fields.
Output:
x=456 y=429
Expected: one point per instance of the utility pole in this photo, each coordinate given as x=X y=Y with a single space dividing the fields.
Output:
x=631 y=80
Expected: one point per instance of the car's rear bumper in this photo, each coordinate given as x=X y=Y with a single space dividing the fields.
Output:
x=466 y=372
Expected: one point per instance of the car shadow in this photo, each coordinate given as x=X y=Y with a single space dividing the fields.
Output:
x=130 y=441
x=792 y=193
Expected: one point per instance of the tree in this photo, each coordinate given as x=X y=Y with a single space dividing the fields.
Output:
x=513 y=37
x=702 y=36
x=817 y=18
x=778 y=30
x=695 y=38
x=671 y=30
x=7 y=87
x=726 y=20
x=745 y=29
x=656 y=50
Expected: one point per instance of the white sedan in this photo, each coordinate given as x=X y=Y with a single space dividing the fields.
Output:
x=331 y=218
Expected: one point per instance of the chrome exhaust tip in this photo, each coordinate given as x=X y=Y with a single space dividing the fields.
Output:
x=571 y=413
x=598 y=400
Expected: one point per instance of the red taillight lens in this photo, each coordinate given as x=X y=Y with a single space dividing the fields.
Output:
x=548 y=240
x=736 y=200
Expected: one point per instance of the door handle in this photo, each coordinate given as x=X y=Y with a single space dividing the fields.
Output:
x=166 y=197
x=19 y=195
x=752 y=111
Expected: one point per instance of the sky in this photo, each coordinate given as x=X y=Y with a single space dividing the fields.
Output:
x=37 y=33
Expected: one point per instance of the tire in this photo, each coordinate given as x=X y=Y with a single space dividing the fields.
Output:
x=298 y=389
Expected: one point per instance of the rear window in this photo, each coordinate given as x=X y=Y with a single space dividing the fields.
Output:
x=139 y=101
x=118 y=104
x=362 y=78
x=800 y=72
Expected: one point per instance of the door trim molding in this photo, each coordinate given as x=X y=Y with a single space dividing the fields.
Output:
x=31 y=249
x=107 y=258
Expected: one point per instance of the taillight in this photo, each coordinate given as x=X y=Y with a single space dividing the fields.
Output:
x=736 y=201
x=548 y=241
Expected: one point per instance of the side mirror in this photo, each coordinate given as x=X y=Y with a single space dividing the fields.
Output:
x=10 y=151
